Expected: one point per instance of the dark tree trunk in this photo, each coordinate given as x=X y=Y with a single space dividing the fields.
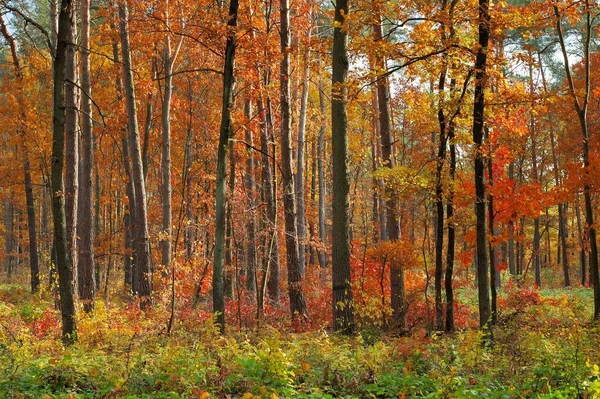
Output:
x=321 y=172
x=251 y=195
x=63 y=265
x=225 y=134
x=343 y=312
x=451 y=234
x=478 y=122
x=297 y=300
x=86 y=266
x=140 y=225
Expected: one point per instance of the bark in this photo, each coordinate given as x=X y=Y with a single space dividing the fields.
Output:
x=343 y=313
x=140 y=225
x=166 y=187
x=296 y=295
x=321 y=172
x=492 y=250
x=478 y=122
x=271 y=260
x=451 y=233
x=251 y=195
x=9 y=240
x=63 y=264
x=301 y=214
x=86 y=265
x=72 y=146
x=439 y=203
x=225 y=134
x=231 y=278
x=511 y=231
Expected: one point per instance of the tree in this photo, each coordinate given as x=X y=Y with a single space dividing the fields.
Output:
x=63 y=266
x=479 y=164
x=343 y=314
x=581 y=103
x=297 y=300
x=86 y=264
x=140 y=221
x=225 y=134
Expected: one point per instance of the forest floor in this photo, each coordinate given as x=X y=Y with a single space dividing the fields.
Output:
x=544 y=347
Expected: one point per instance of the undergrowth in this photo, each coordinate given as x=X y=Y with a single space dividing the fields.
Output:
x=544 y=347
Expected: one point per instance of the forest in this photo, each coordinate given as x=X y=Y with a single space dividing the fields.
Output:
x=299 y=199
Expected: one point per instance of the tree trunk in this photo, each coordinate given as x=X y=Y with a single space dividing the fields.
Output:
x=140 y=225
x=301 y=214
x=251 y=195
x=63 y=265
x=451 y=233
x=321 y=172
x=72 y=147
x=166 y=188
x=297 y=300
x=86 y=265
x=439 y=202
x=478 y=122
x=271 y=263
x=343 y=313
x=511 y=230
x=225 y=134
x=492 y=249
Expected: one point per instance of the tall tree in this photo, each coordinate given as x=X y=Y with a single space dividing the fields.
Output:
x=478 y=123
x=63 y=265
x=343 y=312
x=72 y=145
x=140 y=226
x=86 y=265
x=297 y=300
x=581 y=103
x=225 y=133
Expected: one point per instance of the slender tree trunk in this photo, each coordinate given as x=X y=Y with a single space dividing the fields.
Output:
x=251 y=195
x=492 y=249
x=85 y=247
x=140 y=227
x=225 y=133
x=439 y=203
x=511 y=230
x=321 y=172
x=297 y=300
x=478 y=122
x=231 y=278
x=451 y=233
x=63 y=265
x=271 y=264
x=9 y=241
x=72 y=147
x=301 y=214
x=343 y=312
x=166 y=188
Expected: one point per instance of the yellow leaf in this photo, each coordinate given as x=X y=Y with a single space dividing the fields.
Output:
x=274 y=396
x=248 y=395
